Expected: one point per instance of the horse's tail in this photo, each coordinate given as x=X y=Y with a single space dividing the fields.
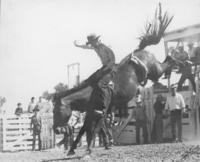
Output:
x=154 y=30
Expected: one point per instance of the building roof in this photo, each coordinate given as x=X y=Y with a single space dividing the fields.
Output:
x=188 y=34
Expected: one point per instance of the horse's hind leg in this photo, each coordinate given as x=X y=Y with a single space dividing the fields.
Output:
x=191 y=78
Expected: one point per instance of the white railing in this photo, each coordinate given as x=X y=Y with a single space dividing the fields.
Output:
x=15 y=132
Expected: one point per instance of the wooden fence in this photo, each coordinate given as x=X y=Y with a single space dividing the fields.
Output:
x=15 y=132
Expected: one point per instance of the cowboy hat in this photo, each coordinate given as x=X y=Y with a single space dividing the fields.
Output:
x=92 y=38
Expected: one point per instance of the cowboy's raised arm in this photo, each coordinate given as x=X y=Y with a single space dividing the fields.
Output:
x=82 y=46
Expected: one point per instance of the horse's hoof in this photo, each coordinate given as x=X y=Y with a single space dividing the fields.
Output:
x=107 y=148
x=71 y=152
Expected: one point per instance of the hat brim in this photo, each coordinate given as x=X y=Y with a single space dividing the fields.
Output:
x=93 y=40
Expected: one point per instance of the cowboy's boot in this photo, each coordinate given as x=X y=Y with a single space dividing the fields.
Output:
x=71 y=152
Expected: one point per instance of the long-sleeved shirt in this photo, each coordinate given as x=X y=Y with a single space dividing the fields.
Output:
x=139 y=113
x=175 y=102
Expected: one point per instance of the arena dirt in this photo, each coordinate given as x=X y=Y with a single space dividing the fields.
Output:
x=145 y=153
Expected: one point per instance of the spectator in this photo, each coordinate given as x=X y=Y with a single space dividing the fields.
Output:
x=159 y=106
x=39 y=104
x=19 y=109
x=31 y=105
x=175 y=104
x=36 y=125
x=2 y=102
x=139 y=114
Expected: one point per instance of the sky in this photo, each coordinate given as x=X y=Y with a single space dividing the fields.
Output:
x=36 y=42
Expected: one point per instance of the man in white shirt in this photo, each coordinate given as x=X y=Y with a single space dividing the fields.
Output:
x=175 y=104
x=31 y=105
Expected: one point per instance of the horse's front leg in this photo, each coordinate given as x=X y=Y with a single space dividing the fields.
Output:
x=181 y=81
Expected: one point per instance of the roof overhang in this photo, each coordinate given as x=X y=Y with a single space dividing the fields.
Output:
x=188 y=34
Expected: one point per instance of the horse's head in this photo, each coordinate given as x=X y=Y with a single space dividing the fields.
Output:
x=61 y=114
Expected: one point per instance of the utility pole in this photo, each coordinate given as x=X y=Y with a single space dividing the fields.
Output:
x=0 y=10
x=74 y=65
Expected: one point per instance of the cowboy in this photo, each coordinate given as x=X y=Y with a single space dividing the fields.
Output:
x=102 y=77
x=102 y=92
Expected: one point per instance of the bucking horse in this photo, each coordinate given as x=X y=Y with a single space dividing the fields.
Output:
x=132 y=71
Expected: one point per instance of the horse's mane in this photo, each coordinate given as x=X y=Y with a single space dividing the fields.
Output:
x=154 y=30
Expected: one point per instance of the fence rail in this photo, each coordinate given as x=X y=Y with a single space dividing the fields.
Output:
x=15 y=133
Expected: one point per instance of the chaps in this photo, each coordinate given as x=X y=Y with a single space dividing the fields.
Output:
x=183 y=78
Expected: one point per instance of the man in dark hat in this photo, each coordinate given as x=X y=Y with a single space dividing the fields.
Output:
x=36 y=125
x=175 y=104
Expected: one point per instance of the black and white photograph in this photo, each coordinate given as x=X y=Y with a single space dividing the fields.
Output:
x=100 y=80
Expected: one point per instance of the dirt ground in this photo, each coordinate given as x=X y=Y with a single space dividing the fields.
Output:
x=152 y=153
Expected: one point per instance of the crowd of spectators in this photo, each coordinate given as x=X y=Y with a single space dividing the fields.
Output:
x=43 y=106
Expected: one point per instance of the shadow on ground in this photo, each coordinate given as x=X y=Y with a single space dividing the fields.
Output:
x=63 y=159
